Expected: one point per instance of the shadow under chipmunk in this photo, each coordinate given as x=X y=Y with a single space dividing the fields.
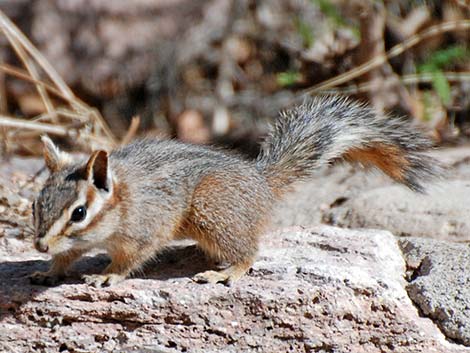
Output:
x=179 y=261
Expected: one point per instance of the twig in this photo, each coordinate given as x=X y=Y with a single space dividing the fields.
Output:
x=30 y=66
x=84 y=113
x=96 y=117
x=13 y=71
x=33 y=125
x=405 y=79
x=36 y=175
x=7 y=24
x=62 y=112
x=395 y=51
x=135 y=122
x=82 y=138
x=46 y=116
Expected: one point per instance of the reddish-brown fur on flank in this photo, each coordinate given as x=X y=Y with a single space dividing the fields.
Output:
x=390 y=159
x=280 y=186
x=222 y=235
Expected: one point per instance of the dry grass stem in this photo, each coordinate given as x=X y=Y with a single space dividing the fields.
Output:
x=133 y=127
x=10 y=27
x=395 y=51
x=23 y=75
x=409 y=79
x=31 y=67
x=75 y=119
x=42 y=128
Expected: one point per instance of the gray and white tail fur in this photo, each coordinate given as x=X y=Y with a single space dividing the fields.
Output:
x=325 y=129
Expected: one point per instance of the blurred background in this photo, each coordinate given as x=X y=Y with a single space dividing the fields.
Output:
x=218 y=71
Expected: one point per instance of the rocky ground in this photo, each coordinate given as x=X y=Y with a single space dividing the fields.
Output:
x=314 y=288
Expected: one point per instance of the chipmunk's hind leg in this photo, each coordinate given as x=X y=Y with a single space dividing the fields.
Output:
x=226 y=218
x=227 y=246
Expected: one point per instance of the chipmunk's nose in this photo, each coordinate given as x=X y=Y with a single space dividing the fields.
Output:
x=40 y=246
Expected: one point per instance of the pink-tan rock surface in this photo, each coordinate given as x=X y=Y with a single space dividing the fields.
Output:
x=320 y=289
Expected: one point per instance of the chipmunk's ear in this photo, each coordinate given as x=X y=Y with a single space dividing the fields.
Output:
x=97 y=170
x=55 y=159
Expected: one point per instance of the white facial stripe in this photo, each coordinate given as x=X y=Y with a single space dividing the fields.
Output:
x=56 y=228
x=60 y=224
x=92 y=210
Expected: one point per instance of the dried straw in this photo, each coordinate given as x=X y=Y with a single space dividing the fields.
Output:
x=70 y=118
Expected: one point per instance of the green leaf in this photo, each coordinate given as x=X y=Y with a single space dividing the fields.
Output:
x=439 y=60
x=305 y=32
x=288 y=78
x=442 y=86
x=444 y=57
x=427 y=102
x=330 y=11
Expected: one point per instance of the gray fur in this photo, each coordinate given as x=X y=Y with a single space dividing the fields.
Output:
x=323 y=129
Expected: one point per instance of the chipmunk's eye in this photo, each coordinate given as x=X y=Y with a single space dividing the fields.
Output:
x=78 y=214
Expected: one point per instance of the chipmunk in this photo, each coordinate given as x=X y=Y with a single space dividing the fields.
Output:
x=134 y=201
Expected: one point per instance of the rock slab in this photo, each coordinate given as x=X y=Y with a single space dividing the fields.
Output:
x=321 y=289
x=441 y=214
x=439 y=284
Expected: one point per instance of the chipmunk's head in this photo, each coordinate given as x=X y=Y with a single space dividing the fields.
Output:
x=71 y=200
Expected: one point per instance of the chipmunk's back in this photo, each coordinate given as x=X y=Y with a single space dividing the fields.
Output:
x=156 y=159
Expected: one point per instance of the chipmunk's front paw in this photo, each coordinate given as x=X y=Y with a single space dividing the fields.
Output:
x=212 y=277
x=106 y=280
x=45 y=278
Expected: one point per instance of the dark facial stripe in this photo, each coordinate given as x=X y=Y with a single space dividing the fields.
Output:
x=118 y=190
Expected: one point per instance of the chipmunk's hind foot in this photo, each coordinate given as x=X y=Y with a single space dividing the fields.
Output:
x=104 y=280
x=227 y=276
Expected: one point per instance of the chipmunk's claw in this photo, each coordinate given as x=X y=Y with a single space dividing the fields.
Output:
x=45 y=278
x=100 y=281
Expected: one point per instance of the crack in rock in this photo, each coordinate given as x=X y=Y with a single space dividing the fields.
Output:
x=438 y=275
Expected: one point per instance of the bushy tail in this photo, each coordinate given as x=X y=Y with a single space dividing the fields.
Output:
x=325 y=129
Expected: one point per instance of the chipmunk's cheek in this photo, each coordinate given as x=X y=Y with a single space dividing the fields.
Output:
x=53 y=244
x=59 y=244
x=67 y=232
